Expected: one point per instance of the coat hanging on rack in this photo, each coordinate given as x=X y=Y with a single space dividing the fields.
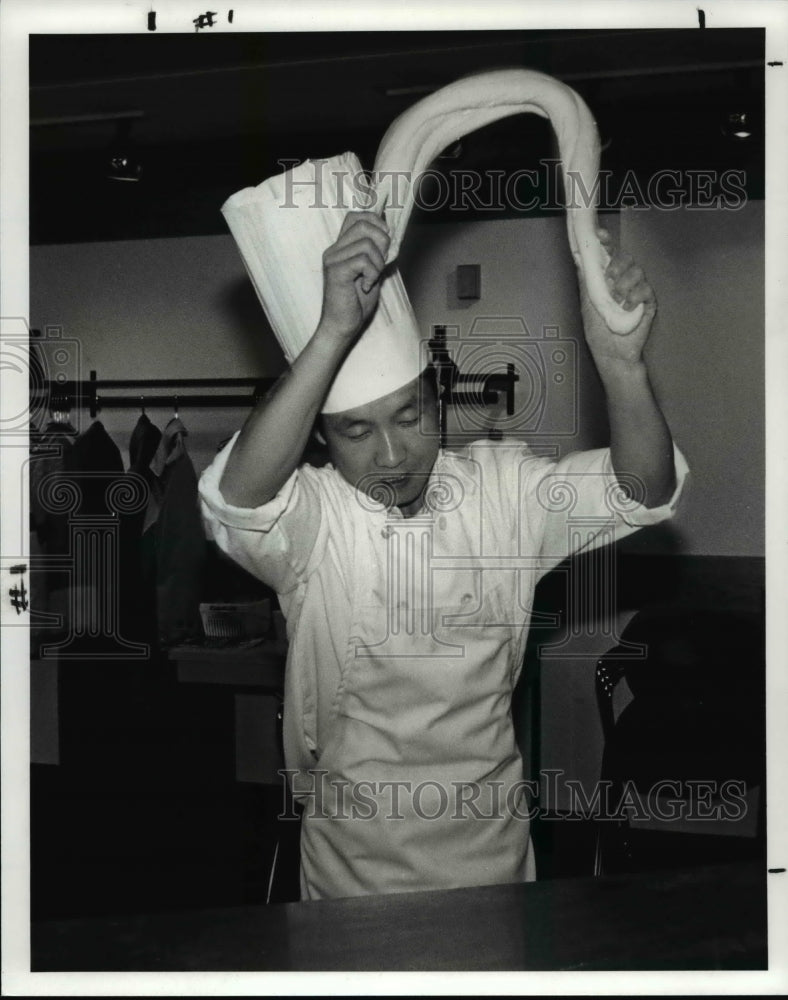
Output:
x=49 y=451
x=82 y=470
x=139 y=605
x=174 y=533
x=144 y=441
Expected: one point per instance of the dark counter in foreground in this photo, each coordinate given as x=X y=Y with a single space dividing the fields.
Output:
x=710 y=918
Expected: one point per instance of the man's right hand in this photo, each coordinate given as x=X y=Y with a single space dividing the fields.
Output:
x=351 y=271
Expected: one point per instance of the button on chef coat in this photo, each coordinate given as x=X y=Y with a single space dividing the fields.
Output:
x=406 y=639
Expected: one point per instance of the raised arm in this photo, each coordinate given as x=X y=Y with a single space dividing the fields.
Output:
x=641 y=446
x=273 y=438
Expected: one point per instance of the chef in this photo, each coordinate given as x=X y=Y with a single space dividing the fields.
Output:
x=405 y=571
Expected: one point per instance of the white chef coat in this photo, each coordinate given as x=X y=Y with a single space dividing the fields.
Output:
x=406 y=638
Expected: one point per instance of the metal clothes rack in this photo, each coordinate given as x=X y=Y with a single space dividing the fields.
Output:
x=90 y=394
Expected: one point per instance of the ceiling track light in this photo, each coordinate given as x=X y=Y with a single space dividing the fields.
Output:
x=737 y=125
x=123 y=163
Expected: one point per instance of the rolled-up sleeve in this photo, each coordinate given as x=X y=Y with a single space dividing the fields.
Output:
x=274 y=541
x=578 y=503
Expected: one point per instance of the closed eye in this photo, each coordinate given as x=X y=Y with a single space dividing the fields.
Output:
x=357 y=430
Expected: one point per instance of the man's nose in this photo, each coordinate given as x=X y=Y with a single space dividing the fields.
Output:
x=391 y=451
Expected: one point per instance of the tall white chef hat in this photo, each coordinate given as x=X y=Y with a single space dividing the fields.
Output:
x=283 y=225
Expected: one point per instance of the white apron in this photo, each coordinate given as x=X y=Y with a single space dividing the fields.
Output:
x=419 y=783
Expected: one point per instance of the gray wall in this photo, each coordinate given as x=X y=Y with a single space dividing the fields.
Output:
x=185 y=308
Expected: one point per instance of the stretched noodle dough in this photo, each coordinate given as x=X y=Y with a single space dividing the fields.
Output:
x=416 y=137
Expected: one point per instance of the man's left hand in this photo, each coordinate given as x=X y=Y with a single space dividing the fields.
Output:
x=629 y=286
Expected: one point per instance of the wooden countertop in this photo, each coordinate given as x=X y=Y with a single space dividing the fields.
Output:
x=256 y=664
x=709 y=918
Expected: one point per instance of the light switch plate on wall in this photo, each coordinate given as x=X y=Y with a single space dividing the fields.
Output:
x=469 y=281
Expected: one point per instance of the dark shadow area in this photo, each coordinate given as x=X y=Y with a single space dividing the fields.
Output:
x=144 y=814
x=684 y=719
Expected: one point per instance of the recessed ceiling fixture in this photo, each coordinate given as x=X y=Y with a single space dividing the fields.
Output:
x=737 y=125
x=123 y=164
